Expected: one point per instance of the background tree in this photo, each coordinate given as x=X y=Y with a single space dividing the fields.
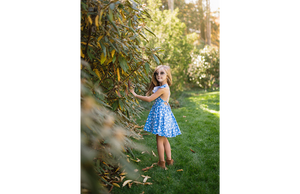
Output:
x=177 y=46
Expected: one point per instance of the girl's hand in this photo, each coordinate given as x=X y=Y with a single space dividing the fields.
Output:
x=131 y=89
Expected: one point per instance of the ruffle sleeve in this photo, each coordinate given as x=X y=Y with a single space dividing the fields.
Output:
x=157 y=87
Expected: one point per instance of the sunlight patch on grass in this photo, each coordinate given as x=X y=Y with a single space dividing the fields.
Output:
x=203 y=107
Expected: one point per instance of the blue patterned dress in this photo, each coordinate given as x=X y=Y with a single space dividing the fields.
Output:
x=161 y=120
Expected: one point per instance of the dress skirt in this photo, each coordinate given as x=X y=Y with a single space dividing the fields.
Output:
x=161 y=120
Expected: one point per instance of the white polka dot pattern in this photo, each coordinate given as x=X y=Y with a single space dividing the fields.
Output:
x=161 y=120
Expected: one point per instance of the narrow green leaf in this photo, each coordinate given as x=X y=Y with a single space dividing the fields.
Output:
x=159 y=58
x=148 y=29
x=147 y=67
x=123 y=63
x=115 y=105
x=114 y=58
x=156 y=59
x=111 y=44
x=121 y=103
x=147 y=14
x=105 y=181
x=130 y=151
x=143 y=37
x=133 y=37
x=114 y=25
x=129 y=23
x=103 y=47
x=110 y=15
x=112 y=6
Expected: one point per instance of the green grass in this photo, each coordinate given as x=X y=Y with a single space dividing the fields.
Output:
x=200 y=132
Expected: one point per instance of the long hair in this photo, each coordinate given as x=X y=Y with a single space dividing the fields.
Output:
x=154 y=81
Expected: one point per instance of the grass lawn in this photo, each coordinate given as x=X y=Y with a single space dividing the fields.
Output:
x=200 y=132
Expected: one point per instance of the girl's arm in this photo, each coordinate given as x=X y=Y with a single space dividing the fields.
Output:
x=159 y=92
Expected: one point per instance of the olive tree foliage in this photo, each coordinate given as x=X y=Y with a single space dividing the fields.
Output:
x=113 y=59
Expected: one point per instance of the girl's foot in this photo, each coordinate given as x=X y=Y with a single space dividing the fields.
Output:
x=170 y=162
x=161 y=164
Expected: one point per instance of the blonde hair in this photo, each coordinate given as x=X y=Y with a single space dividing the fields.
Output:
x=154 y=81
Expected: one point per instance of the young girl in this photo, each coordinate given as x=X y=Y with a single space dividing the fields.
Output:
x=161 y=120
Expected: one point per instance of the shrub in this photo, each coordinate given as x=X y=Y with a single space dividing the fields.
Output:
x=204 y=69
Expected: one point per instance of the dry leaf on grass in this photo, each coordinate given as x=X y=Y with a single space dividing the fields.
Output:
x=153 y=153
x=123 y=173
x=179 y=170
x=137 y=182
x=147 y=168
x=117 y=185
x=136 y=170
x=147 y=183
x=184 y=116
x=125 y=183
x=122 y=177
x=138 y=160
x=192 y=150
x=145 y=178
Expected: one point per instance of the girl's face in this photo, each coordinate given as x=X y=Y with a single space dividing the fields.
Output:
x=160 y=75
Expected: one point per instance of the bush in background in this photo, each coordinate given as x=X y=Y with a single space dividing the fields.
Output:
x=204 y=69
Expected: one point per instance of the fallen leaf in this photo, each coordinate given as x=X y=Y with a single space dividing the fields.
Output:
x=145 y=178
x=122 y=177
x=117 y=185
x=147 y=183
x=147 y=168
x=137 y=182
x=129 y=185
x=153 y=153
x=143 y=152
x=192 y=150
x=184 y=116
x=179 y=170
x=123 y=173
x=125 y=183
x=143 y=192
x=135 y=170
x=185 y=120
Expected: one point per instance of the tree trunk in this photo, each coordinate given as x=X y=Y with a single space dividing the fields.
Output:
x=201 y=21
x=208 y=25
x=171 y=5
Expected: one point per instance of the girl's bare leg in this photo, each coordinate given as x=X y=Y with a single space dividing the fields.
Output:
x=160 y=147
x=167 y=148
